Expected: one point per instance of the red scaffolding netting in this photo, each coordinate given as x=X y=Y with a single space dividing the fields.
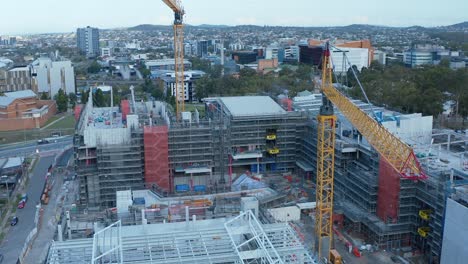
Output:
x=77 y=112
x=388 y=193
x=156 y=157
x=125 y=108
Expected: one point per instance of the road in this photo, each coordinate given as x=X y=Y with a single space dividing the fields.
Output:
x=27 y=148
x=16 y=237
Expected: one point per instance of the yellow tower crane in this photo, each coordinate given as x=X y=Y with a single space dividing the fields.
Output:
x=398 y=154
x=179 y=13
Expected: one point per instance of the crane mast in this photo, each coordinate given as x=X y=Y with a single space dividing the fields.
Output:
x=178 y=54
x=325 y=164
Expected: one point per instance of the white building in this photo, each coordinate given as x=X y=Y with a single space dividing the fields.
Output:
x=106 y=52
x=291 y=52
x=190 y=78
x=51 y=76
x=356 y=56
x=380 y=56
x=271 y=52
x=418 y=57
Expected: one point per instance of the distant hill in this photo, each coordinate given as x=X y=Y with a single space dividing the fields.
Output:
x=353 y=27
x=462 y=25
x=212 y=26
x=148 y=27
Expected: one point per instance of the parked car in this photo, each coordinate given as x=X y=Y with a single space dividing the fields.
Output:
x=24 y=197
x=21 y=204
x=14 y=220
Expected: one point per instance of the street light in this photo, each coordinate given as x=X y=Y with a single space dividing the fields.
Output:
x=4 y=178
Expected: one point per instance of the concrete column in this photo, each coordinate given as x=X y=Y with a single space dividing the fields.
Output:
x=143 y=218
x=59 y=232
x=187 y=216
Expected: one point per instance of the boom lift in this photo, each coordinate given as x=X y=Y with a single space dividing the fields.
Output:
x=179 y=13
x=398 y=154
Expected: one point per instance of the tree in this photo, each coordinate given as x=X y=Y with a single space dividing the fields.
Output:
x=99 y=100
x=61 y=100
x=304 y=72
x=72 y=98
x=84 y=97
x=95 y=67
x=44 y=96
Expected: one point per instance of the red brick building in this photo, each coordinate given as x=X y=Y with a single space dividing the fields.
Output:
x=22 y=110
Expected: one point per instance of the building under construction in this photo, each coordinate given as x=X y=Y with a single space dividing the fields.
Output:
x=142 y=146
x=372 y=200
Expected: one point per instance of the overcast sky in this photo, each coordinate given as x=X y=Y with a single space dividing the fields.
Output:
x=42 y=16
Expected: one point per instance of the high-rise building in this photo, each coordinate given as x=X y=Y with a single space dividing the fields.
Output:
x=88 y=41
x=202 y=48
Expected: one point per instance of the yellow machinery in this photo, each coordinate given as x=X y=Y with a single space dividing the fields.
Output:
x=425 y=214
x=178 y=53
x=397 y=153
x=335 y=257
x=424 y=231
x=273 y=151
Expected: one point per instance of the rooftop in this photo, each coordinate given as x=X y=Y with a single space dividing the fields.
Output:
x=5 y=101
x=20 y=94
x=251 y=105
x=162 y=62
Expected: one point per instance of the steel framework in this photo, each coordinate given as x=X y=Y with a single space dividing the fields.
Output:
x=191 y=243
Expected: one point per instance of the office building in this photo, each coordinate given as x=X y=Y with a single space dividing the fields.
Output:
x=17 y=79
x=244 y=57
x=190 y=84
x=88 y=41
x=202 y=48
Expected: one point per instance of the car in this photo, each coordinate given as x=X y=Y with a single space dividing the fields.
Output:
x=24 y=197
x=42 y=141
x=21 y=204
x=14 y=221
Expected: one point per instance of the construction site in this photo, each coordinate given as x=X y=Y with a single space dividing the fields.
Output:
x=138 y=165
x=318 y=178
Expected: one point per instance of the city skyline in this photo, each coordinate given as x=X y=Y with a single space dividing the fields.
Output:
x=37 y=18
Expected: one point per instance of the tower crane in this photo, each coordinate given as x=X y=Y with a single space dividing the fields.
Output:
x=179 y=13
x=395 y=152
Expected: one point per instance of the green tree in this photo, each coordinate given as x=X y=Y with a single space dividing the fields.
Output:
x=98 y=98
x=95 y=67
x=61 y=100
x=72 y=98
x=44 y=96
x=84 y=97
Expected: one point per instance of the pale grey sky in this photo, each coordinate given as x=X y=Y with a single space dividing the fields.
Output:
x=41 y=16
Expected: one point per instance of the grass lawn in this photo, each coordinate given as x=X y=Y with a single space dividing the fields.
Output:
x=52 y=119
x=192 y=107
x=67 y=122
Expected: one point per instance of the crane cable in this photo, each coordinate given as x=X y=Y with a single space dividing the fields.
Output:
x=358 y=81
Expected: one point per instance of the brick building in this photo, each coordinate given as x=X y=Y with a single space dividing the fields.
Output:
x=22 y=110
